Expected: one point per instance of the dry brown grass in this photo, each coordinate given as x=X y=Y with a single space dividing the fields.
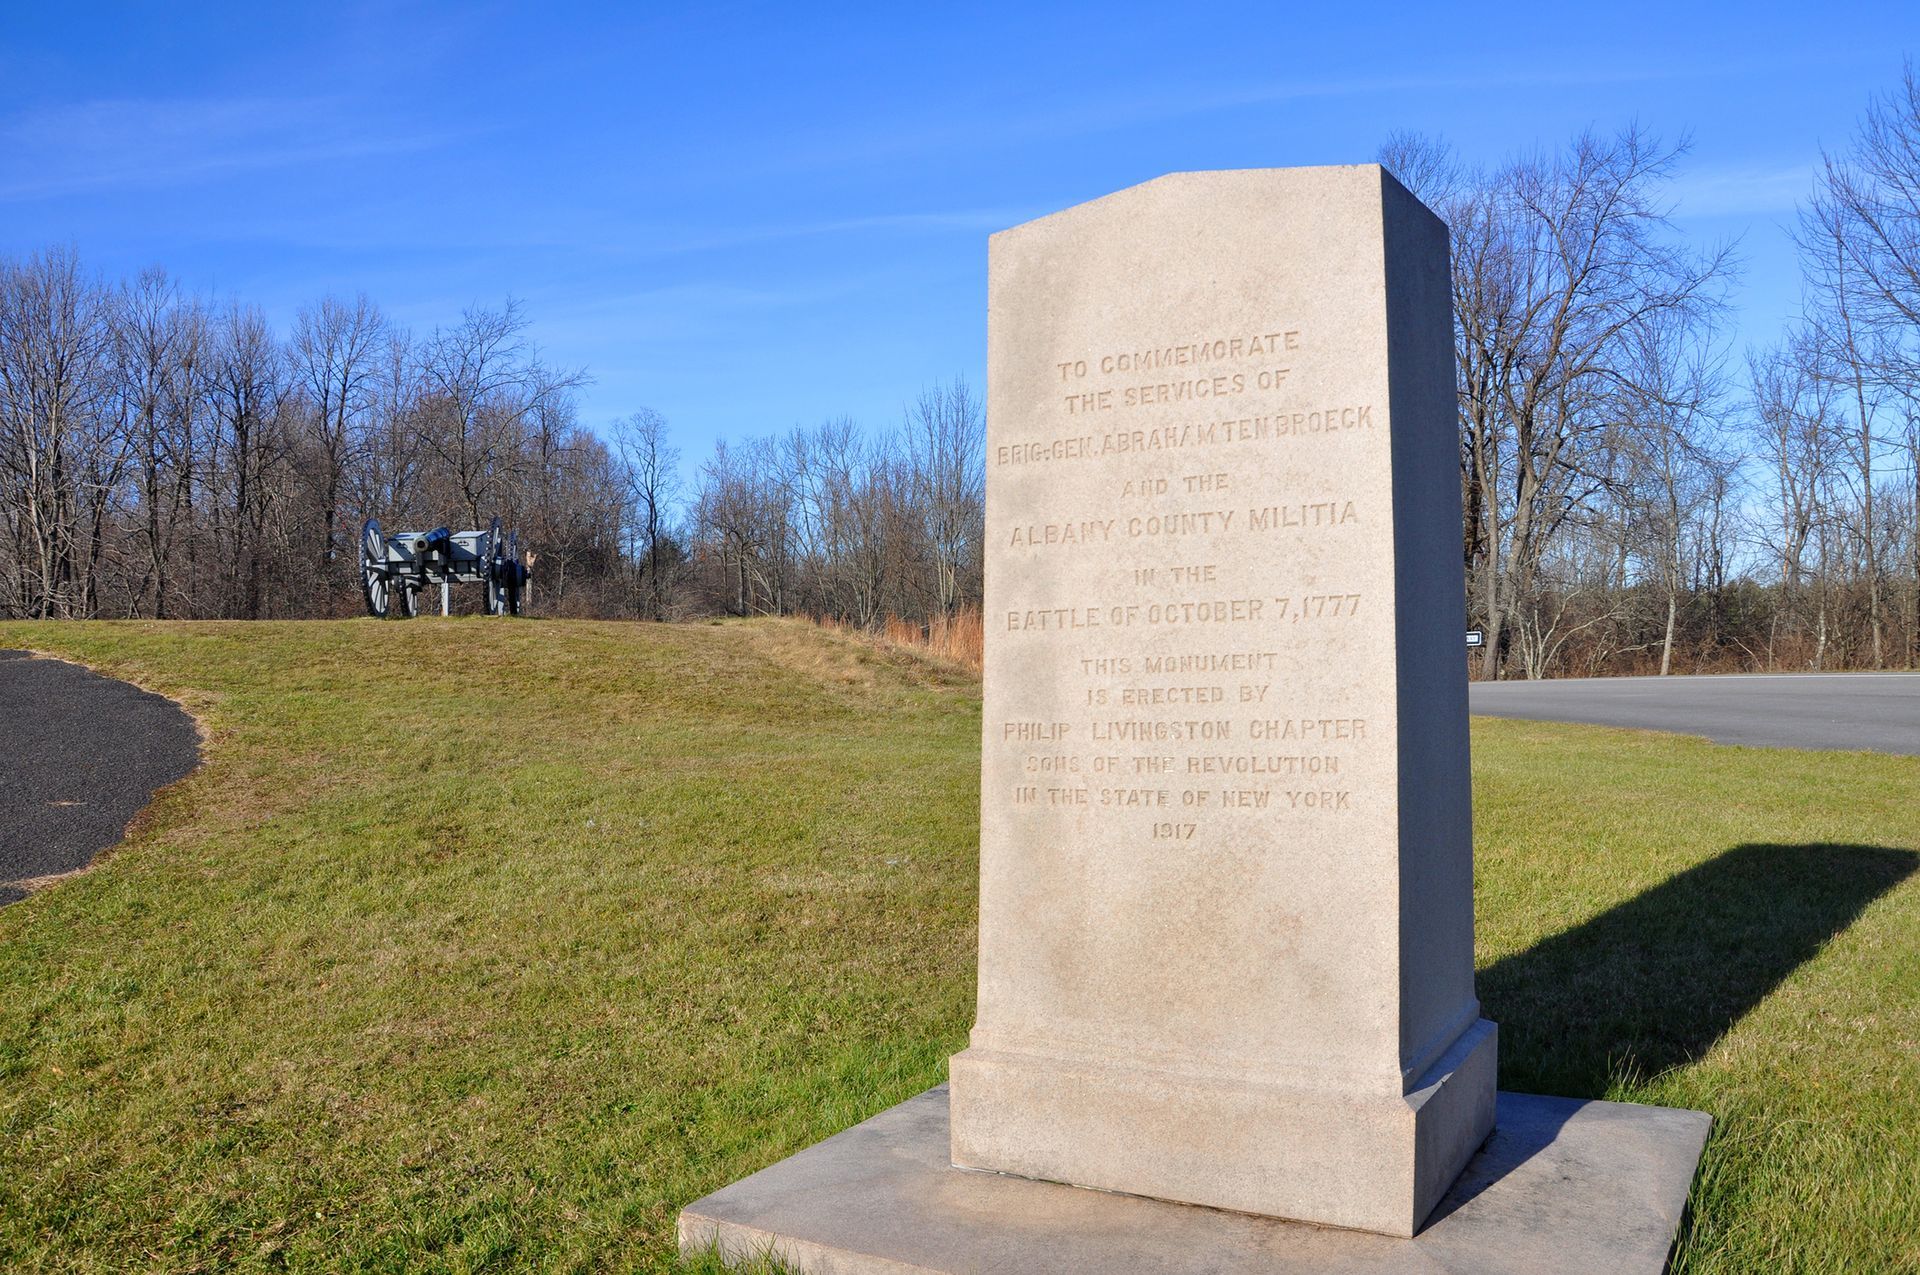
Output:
x=959 y=639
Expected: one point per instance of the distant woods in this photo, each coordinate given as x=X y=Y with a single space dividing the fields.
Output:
x=163 y=456
x=1639 y=495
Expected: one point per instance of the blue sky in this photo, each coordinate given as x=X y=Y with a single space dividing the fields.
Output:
x=751 y=216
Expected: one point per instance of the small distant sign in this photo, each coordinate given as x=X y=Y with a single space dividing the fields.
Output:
x=1476 y=638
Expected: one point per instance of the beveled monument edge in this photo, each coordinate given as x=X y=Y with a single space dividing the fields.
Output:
x=1172 y=176
x=1570 y=1185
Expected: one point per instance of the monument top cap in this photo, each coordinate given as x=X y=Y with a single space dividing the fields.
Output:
x=1304 y=175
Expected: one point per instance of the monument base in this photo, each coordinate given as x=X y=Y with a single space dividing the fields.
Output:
x=1378 y=1163
x=1562 y=1185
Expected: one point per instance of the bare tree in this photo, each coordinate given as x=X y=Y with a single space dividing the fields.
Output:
x=390 y=450
x=650 y=468
x=335 y=353
x=1671 y=389
x=1793 y=413
x=246 y=389
x=54 y=346
x=484 y=385
x=1557 y=261
x=946 y=443
x=1860 y=248
x=743 y=515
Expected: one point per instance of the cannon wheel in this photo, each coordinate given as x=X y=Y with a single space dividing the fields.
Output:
x=496 y=556
x=409 y=596
x=373 y=574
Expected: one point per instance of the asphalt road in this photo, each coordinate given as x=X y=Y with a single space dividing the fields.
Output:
x=1877 y=712
x=80 y=754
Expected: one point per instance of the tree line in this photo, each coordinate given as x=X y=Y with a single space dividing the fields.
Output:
x=165 y=457
x=1638 y=495
x=162 y=456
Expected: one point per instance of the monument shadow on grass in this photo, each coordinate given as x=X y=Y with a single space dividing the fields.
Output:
x=1653 y=983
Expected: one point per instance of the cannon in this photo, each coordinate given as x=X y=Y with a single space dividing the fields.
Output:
x=394 y=569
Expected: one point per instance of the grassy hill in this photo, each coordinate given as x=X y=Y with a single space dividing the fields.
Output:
x=485 y=946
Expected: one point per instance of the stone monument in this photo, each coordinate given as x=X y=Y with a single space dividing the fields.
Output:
x=1226 y=907
x=1226 y=870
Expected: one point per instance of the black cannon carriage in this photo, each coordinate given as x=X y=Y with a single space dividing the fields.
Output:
x=395 y=569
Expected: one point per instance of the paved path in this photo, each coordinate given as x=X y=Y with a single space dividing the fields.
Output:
x=80 y=754
x=1879 y=712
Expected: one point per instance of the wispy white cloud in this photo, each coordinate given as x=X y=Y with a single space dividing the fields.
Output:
x=572 y=231
x=960 y=219
x=110 y=144
x=1742 y=191
x=612 y=325
x=698 y=297
x=679 y=311
x=963 y=129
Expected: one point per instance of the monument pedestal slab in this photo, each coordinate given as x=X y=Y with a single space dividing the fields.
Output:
x=1373 y=1162
x=1563 y=1185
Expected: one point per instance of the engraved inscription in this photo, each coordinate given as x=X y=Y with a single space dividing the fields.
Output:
x=1322 y=421
x=1206 y=726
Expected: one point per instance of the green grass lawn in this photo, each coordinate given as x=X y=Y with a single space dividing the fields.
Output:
x=479 y=945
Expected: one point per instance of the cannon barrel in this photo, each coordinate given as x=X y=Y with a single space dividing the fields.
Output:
x=439 y=540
